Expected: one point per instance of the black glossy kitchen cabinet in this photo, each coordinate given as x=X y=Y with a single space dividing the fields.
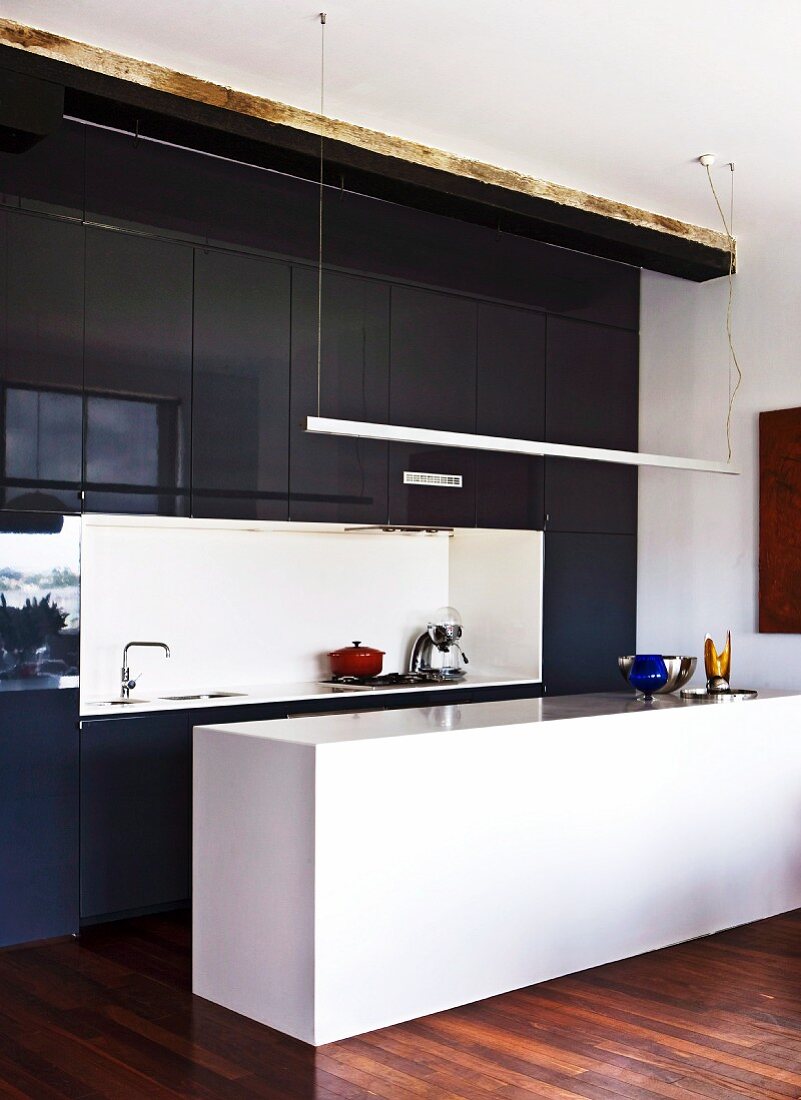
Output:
x=591 y=400
x=589 y=610
x=511 y=402
x=41 y=363
x=136 y=814
x=144 y=185
x=401 y=243
x=240 y=396
x=137 y=374
x=337 y=479
x=38 y=815
x=432 y=384
x=49 y=178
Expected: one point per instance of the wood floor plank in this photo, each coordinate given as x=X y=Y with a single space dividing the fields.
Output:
x=112 y=1017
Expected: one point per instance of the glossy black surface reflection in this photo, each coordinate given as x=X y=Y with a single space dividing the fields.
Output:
x=432 y=385
x=138 y=374
x=591 y=400
x=49 y=178
x=39 y=600
x=511 y=403
x=335 y=479
x=41 y=364
x=38 y=815
x=240 y=413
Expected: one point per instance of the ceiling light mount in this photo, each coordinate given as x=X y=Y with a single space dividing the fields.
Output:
x=707 y=159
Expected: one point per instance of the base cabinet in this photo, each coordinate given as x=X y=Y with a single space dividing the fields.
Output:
x=136 y=794
x=38 y=815
x=589 y=610
x=135 y=814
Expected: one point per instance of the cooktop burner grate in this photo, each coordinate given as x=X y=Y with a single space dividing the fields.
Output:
x=388 y=680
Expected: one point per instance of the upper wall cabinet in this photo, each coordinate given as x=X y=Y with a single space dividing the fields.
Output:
x=155 y=188
x=511 y=402
x=252 y=209
x=143 y=185
x=432 y=385
x=592 y=401
x=240 y=414
x=138 y=374
x=49 y=178
x=331 y=479
x=398 y=242
x=41 y=369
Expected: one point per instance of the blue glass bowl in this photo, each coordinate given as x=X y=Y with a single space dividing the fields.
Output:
x=648 y=674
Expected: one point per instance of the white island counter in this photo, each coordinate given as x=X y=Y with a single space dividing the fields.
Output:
x=352 y=871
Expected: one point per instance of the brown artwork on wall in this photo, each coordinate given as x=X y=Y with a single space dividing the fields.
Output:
x=780 y=521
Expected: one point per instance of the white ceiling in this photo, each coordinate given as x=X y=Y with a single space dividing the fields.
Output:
x=615 y=97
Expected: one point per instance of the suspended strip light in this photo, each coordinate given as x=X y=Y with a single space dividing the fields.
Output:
x=430 y=437
x=397 y=433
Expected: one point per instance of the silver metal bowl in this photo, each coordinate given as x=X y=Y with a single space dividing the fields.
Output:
x=680 y=671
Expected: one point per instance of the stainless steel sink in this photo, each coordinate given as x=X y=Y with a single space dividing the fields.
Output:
x=205 y=695
x=118 y=702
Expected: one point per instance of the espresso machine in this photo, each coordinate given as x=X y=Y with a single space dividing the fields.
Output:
x=437 y=652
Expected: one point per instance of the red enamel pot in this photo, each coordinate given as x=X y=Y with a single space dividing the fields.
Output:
x=357 y=660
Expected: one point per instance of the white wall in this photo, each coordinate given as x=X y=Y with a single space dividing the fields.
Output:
x=496 y=584
x=244 y=605
x=698 y=534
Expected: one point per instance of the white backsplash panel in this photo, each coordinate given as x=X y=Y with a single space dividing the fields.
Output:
x=264 y=604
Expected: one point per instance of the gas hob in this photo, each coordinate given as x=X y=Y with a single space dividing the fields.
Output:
x=389 y=680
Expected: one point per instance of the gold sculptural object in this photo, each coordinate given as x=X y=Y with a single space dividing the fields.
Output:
x=717 y=665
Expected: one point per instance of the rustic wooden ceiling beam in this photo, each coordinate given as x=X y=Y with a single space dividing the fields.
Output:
x=107 y=87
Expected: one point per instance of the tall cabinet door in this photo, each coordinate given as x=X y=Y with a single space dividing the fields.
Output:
x=338 y=479
x=589 y=610
x=240 y=417
x=38 y=814
x=592 y=401
x=41 y=370
x=511 y=403
x=432 y=385
x=138 y=374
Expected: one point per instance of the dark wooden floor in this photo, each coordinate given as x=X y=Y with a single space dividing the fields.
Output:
x=112 y=1016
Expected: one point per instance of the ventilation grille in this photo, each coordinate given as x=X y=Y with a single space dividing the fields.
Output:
x=441 y=481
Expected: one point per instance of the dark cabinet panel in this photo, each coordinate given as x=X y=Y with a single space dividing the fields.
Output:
x=590 y=496
x=240 y=415
x=138 y=374
x=591 y=385
x=41 y=370
x=49 y=178
x=38 y=815
x=144 y=185
x=432 y=385
x=511 y=402
x=591 y=400
x=399 y=242
x=136 y=824
x=589 y=610
x=337 y=479
x=254 y=209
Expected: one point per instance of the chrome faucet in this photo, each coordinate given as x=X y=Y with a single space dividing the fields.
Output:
x=126 y=682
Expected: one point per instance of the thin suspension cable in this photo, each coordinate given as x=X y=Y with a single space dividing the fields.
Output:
x=320 y=215
x=729 y=229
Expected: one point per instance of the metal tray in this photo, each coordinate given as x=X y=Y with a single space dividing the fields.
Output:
x=701 y=695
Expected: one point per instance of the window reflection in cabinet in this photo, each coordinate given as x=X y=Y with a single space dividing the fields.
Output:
x=41 y=368
x=137 y=374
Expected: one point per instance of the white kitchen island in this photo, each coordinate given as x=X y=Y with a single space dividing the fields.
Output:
x=352 y=871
